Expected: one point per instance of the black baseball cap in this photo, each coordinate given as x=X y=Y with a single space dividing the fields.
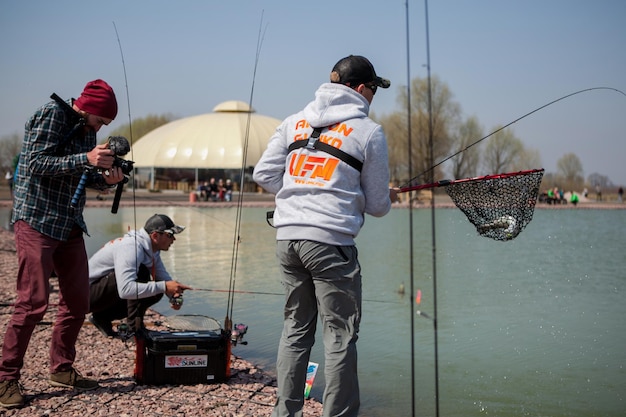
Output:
x=162 y=223
x=355 y=70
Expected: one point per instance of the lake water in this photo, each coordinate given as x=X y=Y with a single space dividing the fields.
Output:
x=531 y=327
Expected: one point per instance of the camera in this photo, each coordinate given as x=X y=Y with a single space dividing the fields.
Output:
x=120 y=147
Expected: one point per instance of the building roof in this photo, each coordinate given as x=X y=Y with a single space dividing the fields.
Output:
x=213 y=140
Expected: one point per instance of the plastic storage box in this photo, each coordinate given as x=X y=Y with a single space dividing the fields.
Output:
x=190 y=357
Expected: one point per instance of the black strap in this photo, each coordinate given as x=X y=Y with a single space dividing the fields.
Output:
x=314 y=143
x=75 y=119
x=269 y=217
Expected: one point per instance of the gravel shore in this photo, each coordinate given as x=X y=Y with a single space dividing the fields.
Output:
x=249 y=392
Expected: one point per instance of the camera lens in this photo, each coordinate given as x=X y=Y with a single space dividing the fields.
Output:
x=124 y=165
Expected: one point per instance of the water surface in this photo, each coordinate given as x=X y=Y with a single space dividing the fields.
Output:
x=530 y=327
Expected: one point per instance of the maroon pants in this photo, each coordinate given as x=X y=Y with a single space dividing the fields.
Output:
x=38 y=256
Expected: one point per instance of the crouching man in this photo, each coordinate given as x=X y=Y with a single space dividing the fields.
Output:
x=127 y=276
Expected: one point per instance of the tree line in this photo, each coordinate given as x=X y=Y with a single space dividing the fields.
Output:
x=455 y=153
x=457 y=149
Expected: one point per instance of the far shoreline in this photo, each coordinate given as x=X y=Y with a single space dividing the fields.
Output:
x=168 y=198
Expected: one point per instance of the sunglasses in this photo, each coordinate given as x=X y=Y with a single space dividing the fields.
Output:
x=372 y=87
x=169 y=234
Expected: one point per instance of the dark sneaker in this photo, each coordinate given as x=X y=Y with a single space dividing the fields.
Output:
x=105 y=327
x=11 y=394
x=72 y=379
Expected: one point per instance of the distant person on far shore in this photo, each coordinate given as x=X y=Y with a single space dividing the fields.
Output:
x=574 y=198
x=228 y=190
x=620 y=195
x=221 y=190
x=203 y=191
x=213 y=190
x=598 y=193
x=9 y=178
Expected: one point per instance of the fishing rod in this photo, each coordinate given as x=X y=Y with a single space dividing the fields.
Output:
x=140 y=343
x=277 y=293
x=236 y=235
x=585 y=90
x=130 y=129
x=130 y=133
x=411 y=240
x=432 y=211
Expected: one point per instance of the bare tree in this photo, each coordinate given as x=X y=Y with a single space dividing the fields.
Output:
x=466 y=161
x=395 y=130
x=600 y=180
x=445 y=113
x=570 y=168
x=502 y=152
x=527 y=159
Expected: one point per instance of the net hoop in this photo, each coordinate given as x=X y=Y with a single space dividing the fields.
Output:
x=444 y=183
x=500 y=206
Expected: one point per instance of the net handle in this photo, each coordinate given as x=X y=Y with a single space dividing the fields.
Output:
x=444 y=183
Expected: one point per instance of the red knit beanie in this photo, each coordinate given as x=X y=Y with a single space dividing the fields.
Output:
x=98 y=98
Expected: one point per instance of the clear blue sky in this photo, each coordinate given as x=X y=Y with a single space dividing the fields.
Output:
x=501 y=59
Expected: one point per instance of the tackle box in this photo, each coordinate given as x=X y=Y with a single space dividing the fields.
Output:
x=189 y=357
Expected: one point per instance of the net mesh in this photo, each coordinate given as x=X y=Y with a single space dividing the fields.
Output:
x=191 y=322
x=499 y=207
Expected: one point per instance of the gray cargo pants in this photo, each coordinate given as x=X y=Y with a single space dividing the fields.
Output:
x=324 y=279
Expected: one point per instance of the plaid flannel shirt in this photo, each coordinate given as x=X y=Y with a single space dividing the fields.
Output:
x=49 y=170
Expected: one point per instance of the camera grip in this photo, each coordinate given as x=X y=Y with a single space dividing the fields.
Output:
x=80 y=190
x=118 y=195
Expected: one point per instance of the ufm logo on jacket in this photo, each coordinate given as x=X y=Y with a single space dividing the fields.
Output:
x=311 y=169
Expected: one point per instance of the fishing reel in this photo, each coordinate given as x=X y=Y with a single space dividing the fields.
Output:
x=123 y=332
x=237 y=334
x=177 y=300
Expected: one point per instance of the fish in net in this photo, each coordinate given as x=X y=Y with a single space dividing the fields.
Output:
x=499 y=206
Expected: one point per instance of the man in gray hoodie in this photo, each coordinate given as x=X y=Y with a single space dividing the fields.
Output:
x=327 y=166
x=127 y=275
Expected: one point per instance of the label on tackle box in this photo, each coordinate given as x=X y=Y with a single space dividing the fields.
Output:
x=186 y=361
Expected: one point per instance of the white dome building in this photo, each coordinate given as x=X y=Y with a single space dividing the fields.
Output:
x=215 y=140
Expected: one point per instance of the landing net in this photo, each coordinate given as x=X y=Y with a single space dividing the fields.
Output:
x=191 y=322
x=500 y=206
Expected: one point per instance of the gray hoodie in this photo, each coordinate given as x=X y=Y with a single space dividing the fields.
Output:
x=123 y=256
x=319 y=197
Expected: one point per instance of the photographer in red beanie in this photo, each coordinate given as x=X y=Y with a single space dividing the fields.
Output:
x=59 y=145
